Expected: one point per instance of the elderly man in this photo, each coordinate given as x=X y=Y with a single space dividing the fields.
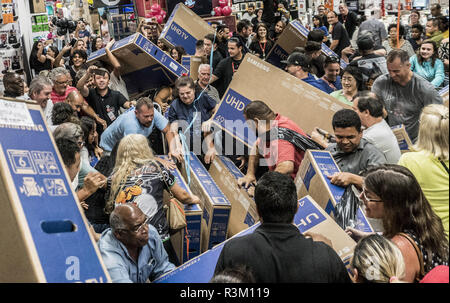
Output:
x=403 y=93
x=40 y=91
x=132 y=249
x=76 y=101
x=204 y=74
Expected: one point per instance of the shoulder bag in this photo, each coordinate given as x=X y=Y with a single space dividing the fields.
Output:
x=421 y=274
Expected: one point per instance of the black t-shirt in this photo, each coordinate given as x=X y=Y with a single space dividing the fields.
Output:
x=106 y=107
x=339 y=33
x=38 y=66
x=261 y=49
x=278 y=253
x=350 y=21
x=217 y=57
x=144 y=187
x=222 y=47
x=225 y=71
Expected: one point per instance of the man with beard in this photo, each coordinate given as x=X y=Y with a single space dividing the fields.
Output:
x=226 y=68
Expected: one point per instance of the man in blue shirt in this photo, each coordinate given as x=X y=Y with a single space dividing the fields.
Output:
x=132 y=249
x=142 y=120
x=297 y=64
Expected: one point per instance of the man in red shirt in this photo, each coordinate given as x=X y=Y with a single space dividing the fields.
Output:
x=61 y=90
x=281 y=156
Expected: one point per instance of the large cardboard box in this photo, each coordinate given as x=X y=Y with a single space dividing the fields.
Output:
x=43 y=230
x=144 y=66
x=191 y=63
x=285 y=94
x=216 y=206
x=186 y=242
x=309 y=218
x=243 y=208
x=37 y=6
x=312 y=180
x=404 y=142
x=294 y=35
x=184 y=28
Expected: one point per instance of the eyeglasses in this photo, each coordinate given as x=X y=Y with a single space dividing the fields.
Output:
x=363 y=195
x=333 y=59
x=137 y=229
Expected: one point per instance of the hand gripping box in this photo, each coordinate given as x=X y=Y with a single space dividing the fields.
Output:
x=285 y=94
x=312 y=180
x=186 y=244
x=43 y=230
x=309 y=217
x=243 y=208
x=404 y=142
x=216 y=206
x=294 y=35
x=184 y=27
x=144 y=66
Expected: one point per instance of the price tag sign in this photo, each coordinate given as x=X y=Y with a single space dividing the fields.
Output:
x=15 y=113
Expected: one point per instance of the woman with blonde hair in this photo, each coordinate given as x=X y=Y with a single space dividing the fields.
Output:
x=377 y=260
x=429 y=161
x=139 y=178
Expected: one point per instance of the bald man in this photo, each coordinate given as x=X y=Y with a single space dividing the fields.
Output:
x=75 y=100
x=132 y=249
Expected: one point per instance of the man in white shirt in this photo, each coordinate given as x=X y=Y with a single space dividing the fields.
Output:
x=40 y=91
x=377 y=131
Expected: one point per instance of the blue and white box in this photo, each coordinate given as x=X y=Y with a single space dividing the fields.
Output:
x=404 y=142
x=312 y=179
x=44 y=233
x=216 y=206
x=144 y=65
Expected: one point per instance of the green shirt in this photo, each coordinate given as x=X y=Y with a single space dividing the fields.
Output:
x=433 y=179
x=340 y=96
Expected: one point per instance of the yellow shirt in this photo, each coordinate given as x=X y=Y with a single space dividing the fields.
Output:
x=433 y=179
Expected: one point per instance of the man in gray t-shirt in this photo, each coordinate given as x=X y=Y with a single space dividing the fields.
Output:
x=404 y=93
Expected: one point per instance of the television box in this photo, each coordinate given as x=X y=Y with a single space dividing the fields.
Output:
x=186 y=244
x=294 y=35
x=44 y=232
x=256 y=79
x=144 y=66
x=312 y=180
x=184 y=28
x=243 y=208
x=216 y=206
x=310 y=217
x=404 y=142
x=191 y=63
x=228 y=20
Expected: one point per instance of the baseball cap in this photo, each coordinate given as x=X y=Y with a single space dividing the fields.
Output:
x=296 y=59
x=365 y=41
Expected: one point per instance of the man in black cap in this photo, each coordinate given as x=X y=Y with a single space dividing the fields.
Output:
x=369 y=62
x=298 y=65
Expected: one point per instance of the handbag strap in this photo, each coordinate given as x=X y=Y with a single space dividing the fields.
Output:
x=421 y=274
x=445 y=166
